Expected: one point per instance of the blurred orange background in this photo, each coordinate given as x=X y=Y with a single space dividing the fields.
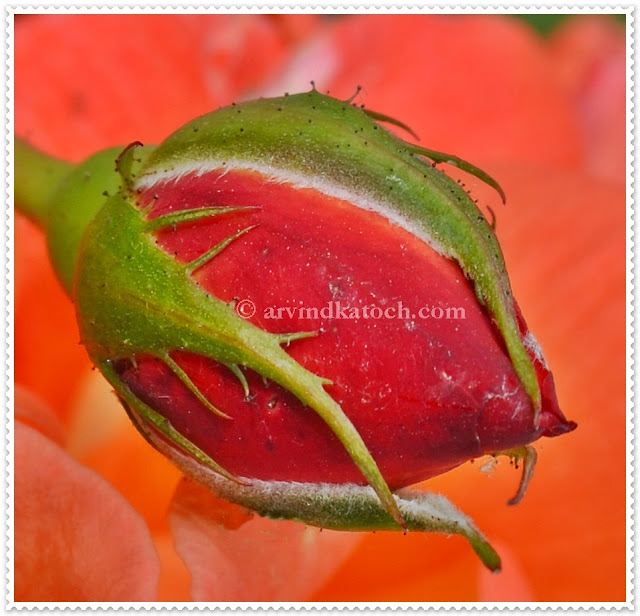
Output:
x=542 y=113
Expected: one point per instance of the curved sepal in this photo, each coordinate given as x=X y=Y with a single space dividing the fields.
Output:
x=346 y=507
x=528 y=457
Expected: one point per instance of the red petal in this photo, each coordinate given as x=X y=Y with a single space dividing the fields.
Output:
x=76 y=539
x=232 y=559
x=425 y=394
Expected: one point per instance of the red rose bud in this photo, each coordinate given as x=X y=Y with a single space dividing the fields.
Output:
x=301 y=312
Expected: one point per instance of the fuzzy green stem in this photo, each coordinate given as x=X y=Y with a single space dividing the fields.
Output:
x=37 y=178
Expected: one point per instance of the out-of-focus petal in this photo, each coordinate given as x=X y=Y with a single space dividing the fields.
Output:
x=109 y=79
x=510 y=585
x=476 y=86
x=589 y=59
x=414 y=567
x=33 y=412
x=175 y=580
x=76 y=539
x=234 y=558
x=46 y=335
x=295 y=28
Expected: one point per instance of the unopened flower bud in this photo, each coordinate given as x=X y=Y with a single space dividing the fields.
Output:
x=307 y=315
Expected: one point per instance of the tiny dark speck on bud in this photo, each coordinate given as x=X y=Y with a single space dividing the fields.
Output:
x=242 y=130
x=105 y=193
x=195 y=129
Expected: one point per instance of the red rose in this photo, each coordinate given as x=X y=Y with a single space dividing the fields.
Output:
x=308 y=207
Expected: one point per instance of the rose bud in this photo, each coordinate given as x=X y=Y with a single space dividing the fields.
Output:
x=300 y=310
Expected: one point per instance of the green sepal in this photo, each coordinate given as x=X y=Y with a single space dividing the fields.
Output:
x=441 y=157
x=144 y=416
x=528 y=456
x=344 y=507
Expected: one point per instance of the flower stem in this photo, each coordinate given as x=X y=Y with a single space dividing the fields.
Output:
x=37 y=177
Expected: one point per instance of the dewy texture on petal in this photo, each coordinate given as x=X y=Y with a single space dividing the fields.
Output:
x=76 y=539
x=235 y=557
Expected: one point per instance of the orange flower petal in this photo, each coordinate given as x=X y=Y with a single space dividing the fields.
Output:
x=49 y=359
x=589 y=59
x=175 y=580
x=76 y=539
x=150 y=74
x=32 y=411
x=233 y=558
x=510 y=585
x=414 y=567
